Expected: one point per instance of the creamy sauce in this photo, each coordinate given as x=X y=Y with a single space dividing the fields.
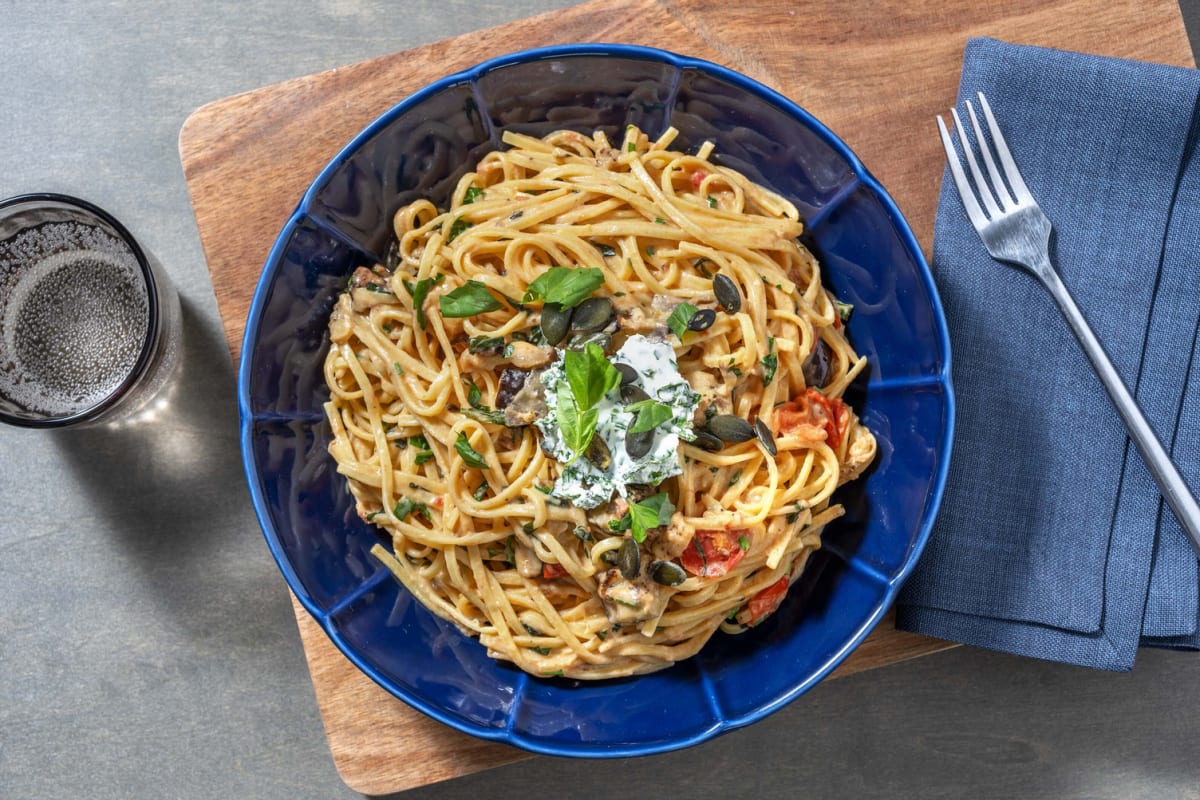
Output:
x=585 y=484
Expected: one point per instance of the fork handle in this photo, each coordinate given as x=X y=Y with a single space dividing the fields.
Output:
x=1174 y=490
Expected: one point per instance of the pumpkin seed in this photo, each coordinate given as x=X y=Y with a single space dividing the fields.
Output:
x=668 y=573
x=727 y=293
x=556 y=321
x=581 y=340
x=633 y=394
x=637 y=445
x=592 y=315
x=729 y=428
x=765 y=437
x=702 y=320
x=816 y=366
x=706 y=441
x=598 y=453
x=628 y=373
x=629 y=559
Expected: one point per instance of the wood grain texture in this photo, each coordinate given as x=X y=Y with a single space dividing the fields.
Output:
x=876 y=73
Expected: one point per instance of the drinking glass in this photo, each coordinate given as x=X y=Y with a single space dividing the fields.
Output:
x=89 y=322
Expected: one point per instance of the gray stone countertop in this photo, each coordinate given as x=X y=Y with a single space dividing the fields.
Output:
x=147 y=644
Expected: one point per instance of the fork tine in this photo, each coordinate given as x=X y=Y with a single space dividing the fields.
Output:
x=980 y=184
x=1006 y=160
x=974 y=212
x=1002 y=194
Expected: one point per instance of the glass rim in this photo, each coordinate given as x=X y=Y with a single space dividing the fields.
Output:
x=153 y=319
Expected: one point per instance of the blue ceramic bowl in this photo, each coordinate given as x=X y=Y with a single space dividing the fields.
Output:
x=419 y=149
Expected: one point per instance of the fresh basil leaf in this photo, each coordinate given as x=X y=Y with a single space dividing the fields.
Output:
x=485 y=414
x=457 y=227
x=650 y=513
x=489 y=345
x=468 y=454
x=468 y=300
x=564 y=285
x=620 y=525
x=419 y=291
x=650 y=414
x=577 y=427
x=680 y=317
x=421 y=445
x=478 y=410
x=480 y=491
x=406 y=506
x=589 y=374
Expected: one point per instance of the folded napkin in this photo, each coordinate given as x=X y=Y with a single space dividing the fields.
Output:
x=1052 y=540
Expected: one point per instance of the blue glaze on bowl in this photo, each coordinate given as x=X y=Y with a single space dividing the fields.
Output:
x=419 y=149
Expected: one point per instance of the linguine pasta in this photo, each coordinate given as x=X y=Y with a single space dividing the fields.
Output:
x=596 y=404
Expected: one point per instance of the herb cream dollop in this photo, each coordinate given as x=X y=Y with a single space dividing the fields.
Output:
x=587 y=485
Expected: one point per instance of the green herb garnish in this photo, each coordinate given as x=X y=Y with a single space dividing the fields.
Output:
x=472 y=194
x=566 y=286
x=457 y=227
x=419 y=291
x=650 y=513
x=468 y=300
x=468 y=454
x=424 y=453
x=844 y=310
x=680 y=317
x=480 y=491
x=484 y=344
x=770 y=362
x=407 y=506
x=650 y=414
x=590 y=376
x=478 y=410
x=744 y=542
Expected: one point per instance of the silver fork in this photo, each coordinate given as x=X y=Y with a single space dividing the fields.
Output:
x=1015 y=230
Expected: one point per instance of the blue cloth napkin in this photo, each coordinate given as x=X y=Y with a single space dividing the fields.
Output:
x=1052 y=540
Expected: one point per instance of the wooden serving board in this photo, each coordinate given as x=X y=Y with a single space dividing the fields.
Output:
x=875 y=72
